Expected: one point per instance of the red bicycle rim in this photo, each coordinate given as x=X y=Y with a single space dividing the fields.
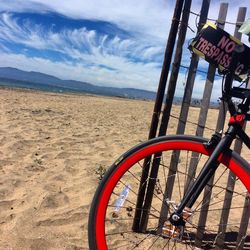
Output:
x=137 y=156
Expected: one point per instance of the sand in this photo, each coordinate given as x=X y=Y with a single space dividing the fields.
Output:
x=51 y=146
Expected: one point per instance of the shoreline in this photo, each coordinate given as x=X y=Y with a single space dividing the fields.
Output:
x=76 y=93
x=178 y=103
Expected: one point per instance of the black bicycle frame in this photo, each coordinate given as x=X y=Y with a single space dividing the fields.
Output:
x=234 y=129
x=211 y=165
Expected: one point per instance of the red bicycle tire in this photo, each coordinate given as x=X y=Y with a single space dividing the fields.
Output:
x=98 y=209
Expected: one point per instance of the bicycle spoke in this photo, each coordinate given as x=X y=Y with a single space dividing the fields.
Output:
x=153 y=229
x=136 y=245
x=155 y=210
x=186 y=167
x=210 y=190
x=216 y=203
x=149 y=235
x=157 y=238
x=179 y=185
x=145 y=182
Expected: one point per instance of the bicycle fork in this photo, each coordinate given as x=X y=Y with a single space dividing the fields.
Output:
x=206 y=173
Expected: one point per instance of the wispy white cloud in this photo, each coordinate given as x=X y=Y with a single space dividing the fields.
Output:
x=149 y=18
x=152 y=18
x=145 y=17
x=20 y=6
x=136 y=60
x=4 y=48
x=75 y=42
x=98 y=56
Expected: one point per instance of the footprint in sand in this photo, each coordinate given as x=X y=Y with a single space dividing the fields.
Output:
x=41 y=244
x=72 y=166
x=6 y=205
x=63 y=155
x=35 y=168
x=6 y=211
x=67 y=218
x=54 y=200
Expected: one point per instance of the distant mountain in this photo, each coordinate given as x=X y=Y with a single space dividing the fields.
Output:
x=13 y=77
x=36 y=80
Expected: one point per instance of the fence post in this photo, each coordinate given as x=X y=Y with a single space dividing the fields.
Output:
x=191 y=74
x=175 y=69
x=231 y=177
x=244 y=224
x=183 y=117
x=205 y=104
x=157 y=157
x=156 y=113
x=246 y=211
x=165 y=68
x=200 y=130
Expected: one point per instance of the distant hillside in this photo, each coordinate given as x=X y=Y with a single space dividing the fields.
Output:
x=36 y=80
x=13 y=77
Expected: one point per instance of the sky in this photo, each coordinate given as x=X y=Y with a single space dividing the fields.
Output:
x=108 y=43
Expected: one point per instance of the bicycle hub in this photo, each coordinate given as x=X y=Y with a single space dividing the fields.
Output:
x=176 y=220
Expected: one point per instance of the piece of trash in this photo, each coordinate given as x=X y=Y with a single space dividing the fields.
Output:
x=122 y=197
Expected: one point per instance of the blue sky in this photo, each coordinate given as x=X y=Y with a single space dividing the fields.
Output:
x=109 y=43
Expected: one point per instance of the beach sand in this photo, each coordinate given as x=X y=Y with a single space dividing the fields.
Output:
x=51 y=146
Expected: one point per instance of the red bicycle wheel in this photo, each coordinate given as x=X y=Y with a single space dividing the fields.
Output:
x=180 y=159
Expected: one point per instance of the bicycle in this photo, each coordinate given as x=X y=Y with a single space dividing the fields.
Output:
x=168 y=192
